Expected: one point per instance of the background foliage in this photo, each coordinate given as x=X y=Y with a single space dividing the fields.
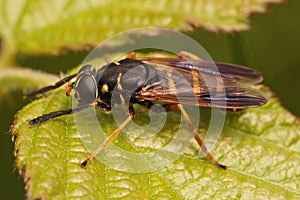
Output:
x=270 y=46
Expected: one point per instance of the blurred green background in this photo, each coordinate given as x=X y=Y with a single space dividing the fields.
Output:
x=271 y=46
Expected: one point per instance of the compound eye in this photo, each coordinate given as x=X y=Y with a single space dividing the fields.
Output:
x=86 y=89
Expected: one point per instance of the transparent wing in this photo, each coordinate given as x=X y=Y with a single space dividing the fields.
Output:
x=228 y=72
x=203 y=83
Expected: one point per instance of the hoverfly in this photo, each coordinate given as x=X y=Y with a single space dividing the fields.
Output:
x=155 y=82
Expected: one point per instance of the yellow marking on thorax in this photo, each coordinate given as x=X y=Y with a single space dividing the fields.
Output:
x=122 y=99
x=119 y=86
x=104 y=88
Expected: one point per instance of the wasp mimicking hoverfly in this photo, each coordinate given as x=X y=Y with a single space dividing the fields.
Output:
x=153 y=81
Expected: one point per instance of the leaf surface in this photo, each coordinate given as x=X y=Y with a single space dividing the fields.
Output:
x=260 y=146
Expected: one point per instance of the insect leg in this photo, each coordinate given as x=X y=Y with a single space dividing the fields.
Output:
x=58 y=113
x=114 y=134
x=198 y=139
x=172 y=107
x=131 y=55
x=50 y=87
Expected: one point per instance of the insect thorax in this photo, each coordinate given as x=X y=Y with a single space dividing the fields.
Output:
x=119 y=82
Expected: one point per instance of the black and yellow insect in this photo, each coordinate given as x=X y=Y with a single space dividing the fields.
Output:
x=171 y=82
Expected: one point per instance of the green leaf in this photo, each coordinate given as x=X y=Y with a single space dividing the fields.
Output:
x=36 y=26
x=260 y=146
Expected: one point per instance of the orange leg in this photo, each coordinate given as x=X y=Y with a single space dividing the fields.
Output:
x=199 y=140
x=114 y=134
x=172 y=107
x=131 y=55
